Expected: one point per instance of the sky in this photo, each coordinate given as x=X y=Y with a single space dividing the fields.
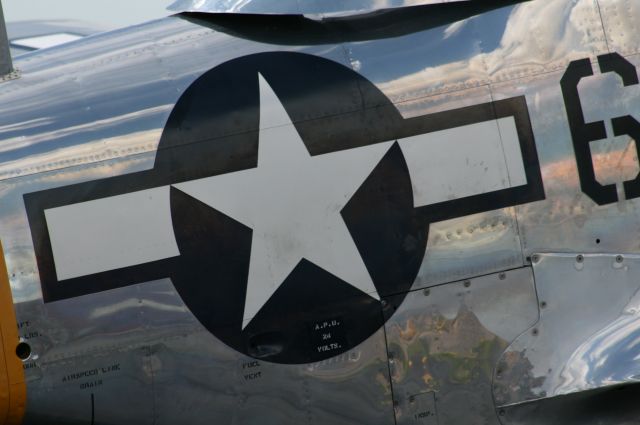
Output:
x=105 y=14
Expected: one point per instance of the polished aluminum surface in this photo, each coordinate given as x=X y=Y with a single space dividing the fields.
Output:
x=145 y=329
x=446 y=340
x=568 y=220
x=165 y=361
x=221 y=385
x=587 y=335
x=296 y=7
x=96 y=108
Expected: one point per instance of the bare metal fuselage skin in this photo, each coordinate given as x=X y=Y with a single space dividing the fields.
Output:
x=506 y=290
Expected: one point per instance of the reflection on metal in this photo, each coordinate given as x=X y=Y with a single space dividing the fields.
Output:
x=446 y=340
x=107 y=100
x=44 y=41
x=26 y=36
x=470 y=246
x=164 y=358
x=346 y=27
x=588 y=333
x=297 y=7
x=222 y=386
x=610 y=405
x=114 y=387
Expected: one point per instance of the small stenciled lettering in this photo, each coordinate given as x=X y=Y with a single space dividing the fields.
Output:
x=25 y=332
x=423 y=408
x=423 y=415
x=80 y=375
x=326 y=324
x=91 y=378
x=90 y=384
x=251 y=370
x=29 y=365
x=329 y=347
x=110 y=368
x=328 y=335
x=30 y=335
x=252 y=376
x=250 y=365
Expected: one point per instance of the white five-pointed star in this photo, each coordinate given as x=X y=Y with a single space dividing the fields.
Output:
x=292 y=201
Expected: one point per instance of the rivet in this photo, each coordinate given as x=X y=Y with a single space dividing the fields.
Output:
x=619 y=258
x=535 y=331
x=502 y=276
x=535 y=258
x=426 y=292
x=580 y=258
x=543 y=304
x=467 y=283
x=501 y=412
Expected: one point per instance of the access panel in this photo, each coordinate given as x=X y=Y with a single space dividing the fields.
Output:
x=444 y=343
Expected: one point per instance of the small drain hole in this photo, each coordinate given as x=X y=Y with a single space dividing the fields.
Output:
x=23 y=351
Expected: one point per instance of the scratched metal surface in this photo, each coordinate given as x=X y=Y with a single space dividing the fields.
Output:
x=446 y=342
x=108 y=98
x=586 y=338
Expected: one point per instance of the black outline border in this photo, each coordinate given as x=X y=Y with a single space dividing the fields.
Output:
x=37 y=202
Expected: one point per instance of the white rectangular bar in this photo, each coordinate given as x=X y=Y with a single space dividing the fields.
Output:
x=111 y=233
x=136 y=228
x=464 y=161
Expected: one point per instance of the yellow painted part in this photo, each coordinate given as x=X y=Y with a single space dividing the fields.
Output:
x=13 y=388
